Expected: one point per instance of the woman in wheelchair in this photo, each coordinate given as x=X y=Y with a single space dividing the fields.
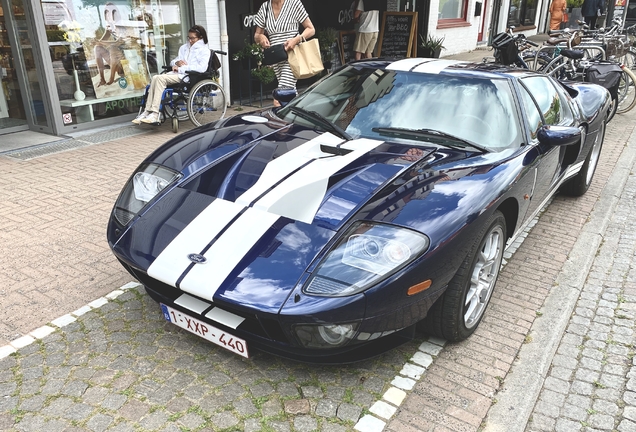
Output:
x=194 y=55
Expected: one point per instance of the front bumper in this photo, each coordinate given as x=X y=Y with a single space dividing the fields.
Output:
x=264 y=331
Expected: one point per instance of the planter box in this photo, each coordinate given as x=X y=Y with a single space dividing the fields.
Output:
x=573 y=15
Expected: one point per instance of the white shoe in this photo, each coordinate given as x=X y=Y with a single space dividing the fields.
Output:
x=140 y=117
x=151 y=118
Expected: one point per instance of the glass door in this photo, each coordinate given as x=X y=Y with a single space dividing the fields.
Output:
x=22 y=99
x=12 y=112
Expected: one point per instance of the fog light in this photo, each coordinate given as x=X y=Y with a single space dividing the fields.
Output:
x=327 y=335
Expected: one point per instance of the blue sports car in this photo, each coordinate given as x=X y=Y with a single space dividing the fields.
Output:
x=379 y=199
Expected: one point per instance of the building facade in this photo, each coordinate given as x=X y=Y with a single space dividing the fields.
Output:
x=69 y=65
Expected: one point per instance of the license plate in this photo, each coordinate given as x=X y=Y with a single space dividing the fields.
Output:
x=206 y=331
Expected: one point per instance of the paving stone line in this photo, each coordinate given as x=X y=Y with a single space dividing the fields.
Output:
x=591 y=384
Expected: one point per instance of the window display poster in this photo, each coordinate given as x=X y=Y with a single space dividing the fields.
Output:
x=116 y=59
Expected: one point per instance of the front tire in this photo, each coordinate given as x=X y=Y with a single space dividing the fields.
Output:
x=456 y=315
x=580 y=183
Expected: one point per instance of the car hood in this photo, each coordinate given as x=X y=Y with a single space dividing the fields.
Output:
x=276 y=203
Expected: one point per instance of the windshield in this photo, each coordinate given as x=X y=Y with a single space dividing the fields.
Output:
x=361 y=100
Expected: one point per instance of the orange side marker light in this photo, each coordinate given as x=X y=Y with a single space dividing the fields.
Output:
x=419 y=287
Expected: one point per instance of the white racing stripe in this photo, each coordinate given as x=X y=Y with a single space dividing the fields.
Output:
x=204 y=279
x=300 y=195
x=436 y=66
x=407 y=64
x=287 y=163
x=173 y=260
x=297 y=197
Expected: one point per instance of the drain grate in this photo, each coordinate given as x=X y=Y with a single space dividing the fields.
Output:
x=73 y=143
x=112 y=134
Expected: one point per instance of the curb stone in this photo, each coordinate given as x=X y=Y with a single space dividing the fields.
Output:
x=61 y=322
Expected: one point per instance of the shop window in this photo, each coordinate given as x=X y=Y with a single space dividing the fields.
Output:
x=522 y=13
x=452 y=13
x=104 y=52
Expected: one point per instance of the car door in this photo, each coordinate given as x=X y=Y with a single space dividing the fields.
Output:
x=543 y=105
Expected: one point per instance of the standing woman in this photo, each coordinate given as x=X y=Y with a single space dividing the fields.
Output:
x=277 y=22
x=557 y=11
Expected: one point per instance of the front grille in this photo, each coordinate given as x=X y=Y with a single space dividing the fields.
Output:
x=265 y=328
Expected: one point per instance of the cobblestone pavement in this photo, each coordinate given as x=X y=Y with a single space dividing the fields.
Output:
x=121 y=367
x=81 y=349
x=591 y=384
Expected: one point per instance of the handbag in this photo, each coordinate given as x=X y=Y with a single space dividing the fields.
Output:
x=564 y=21
x=274 y=54
x=305 y=60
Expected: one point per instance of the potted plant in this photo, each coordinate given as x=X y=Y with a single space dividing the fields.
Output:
x=431 y=46
x=264 y=74
x=250 y=55
x=574 y=12
x=326 y=36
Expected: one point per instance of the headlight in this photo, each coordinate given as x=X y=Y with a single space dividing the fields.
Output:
x=144 y=185
x=365 y=255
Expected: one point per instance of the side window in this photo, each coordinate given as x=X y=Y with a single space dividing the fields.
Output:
x=566 y=104
x=533 y=115
x=548 y=99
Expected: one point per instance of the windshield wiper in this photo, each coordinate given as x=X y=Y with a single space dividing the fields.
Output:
x=460 y=143
x=314 y=117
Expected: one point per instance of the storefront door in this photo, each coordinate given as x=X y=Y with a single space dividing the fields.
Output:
x=22 y=102
x=12 y=112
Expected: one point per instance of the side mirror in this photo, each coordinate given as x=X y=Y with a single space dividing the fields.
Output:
x=559 y=135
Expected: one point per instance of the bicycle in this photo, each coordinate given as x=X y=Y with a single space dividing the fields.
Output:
x=578 y=65
x=507 y=47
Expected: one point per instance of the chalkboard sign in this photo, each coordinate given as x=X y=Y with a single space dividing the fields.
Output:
x=345 y=43
x=398 y=35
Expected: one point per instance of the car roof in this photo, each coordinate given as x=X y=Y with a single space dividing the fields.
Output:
x=446 y=66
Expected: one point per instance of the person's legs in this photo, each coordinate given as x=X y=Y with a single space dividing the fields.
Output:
x=373 y=39
x=284 y=77
x=102 y=57
x=157 y=86
x=358 y=46
x=593 y=22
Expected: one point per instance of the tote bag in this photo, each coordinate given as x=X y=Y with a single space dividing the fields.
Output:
x=305 y=60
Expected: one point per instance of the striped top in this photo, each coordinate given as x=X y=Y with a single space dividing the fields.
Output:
x=292 y=14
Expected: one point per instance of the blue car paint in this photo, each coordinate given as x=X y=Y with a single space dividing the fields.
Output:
x=444 y=194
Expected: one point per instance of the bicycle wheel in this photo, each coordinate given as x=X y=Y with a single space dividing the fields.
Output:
x=626 y=91
x=560 y=71
x=207 y=103
x=538 y=63
x=629 y=60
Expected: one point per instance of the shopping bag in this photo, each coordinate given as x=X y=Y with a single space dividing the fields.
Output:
x=274 y=54
x=305 y=60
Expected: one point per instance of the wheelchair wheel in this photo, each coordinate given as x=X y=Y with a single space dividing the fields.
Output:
x=207 y=103
x=175 y=124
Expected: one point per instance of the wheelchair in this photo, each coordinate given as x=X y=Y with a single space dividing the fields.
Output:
x=198 y=97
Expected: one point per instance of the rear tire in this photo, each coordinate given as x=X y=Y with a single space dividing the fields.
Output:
x=458 y=312
x=580 y=183
x=207 y=103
